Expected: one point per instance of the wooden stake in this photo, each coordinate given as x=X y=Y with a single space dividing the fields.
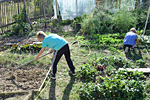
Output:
x=44 y=12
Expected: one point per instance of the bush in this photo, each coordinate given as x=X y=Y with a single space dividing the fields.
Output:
x=123 y=20
x=20 y=28
x=97 y=22
x=141 y=18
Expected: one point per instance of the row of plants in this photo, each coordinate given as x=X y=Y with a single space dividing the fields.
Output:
x=89 y=70
x=114 y=89
x=120 y=62
x=108 y=40
x=26 y=48
x=116 y=85
x=97 y=40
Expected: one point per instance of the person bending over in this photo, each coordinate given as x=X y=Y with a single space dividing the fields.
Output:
x=129 y=40
x=59 y=46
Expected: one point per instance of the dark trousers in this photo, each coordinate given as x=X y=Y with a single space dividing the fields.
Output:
x=126 y=45
x=58 y=54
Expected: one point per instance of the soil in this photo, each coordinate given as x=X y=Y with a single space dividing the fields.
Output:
x=26 y=78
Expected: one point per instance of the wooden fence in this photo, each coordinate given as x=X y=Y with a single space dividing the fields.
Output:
x=34 y=8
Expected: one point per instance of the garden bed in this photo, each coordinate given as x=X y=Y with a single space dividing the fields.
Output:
x=26 y=79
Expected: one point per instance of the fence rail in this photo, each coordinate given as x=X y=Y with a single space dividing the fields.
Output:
x=34 y=8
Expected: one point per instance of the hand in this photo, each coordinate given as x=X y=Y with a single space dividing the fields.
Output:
x=36 y=58
x=41 y=51
x=51 y=51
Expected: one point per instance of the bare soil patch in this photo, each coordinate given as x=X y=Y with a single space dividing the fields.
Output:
x=27 y=78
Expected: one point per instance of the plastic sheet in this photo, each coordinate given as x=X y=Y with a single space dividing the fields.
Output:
x=69 y=9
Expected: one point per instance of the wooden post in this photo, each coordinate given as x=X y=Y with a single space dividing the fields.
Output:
x=34 y=8
x=18 y=6
x=56 y=9
x=135 y=4
x=40 y=7
x=4 y=13
x=26 y=16
x=24 y=2
x=76 y=7
x=0 y=15
x=7 y=14
x=119 y=4
x=146 y=20
x=11 y=11
x=44 y=12
x=116 y=4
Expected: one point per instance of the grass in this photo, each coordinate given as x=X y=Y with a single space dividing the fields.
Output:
x=65 y=87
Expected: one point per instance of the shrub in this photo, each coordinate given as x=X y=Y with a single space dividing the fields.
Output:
x=97 y=22
x=20 y=28
x=141 y=18
x=124 y=20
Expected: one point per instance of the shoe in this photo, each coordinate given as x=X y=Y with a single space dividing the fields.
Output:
x=52 y=76
x=126 y=49
x=73 y=73
x=132 y=48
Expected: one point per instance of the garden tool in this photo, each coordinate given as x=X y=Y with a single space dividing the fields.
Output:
x=13 y=77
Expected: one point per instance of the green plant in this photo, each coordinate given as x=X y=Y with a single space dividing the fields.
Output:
x=114 y=50
x=141 y=18
x=97 y=40
x=87 y=72
x=120 y=85
x=140 y=62
x=6 y=34
x=144 y=50
x=26 y=48
x=97 y=22
x=20 y=28
x=124 y=20
x=115 y=62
